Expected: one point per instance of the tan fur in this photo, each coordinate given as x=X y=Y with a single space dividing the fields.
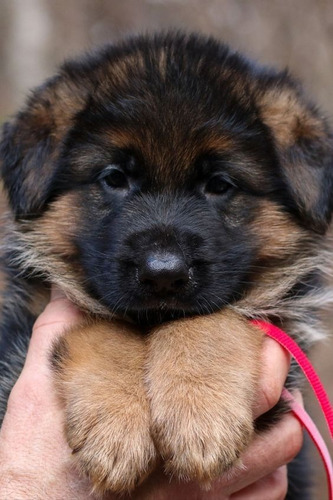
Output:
x=291 y=255
x=186 y=394
x=58 y=105
x=277 y=235
x=295 y=124
x=49 y=246
x=288 y=117
x=201 y=376
x=99 y=374
x=59 y=226
x=122 y=70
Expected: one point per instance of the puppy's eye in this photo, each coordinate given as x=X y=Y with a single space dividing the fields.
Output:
x=115 y=178
x=218 y=185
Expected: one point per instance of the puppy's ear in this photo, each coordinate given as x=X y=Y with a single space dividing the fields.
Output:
x=304 y=146
x=30 y=144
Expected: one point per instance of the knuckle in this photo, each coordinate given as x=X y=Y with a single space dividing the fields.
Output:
x=278 y=484
x=57 y=314
x=25 y=396
x=271 y=391
x=293 y=440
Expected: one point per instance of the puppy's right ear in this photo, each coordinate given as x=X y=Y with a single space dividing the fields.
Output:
x=31 y=143
x=304 y=145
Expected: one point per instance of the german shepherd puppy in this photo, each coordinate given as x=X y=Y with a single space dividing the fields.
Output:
x=173 y=190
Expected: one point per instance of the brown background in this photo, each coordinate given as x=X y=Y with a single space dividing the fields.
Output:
x=36 y=35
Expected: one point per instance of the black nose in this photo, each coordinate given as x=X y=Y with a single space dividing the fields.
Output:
x=164 y=272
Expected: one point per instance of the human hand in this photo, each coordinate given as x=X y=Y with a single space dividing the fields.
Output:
x=35 y=460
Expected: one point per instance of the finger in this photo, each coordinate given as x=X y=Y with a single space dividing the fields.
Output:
x=269 y=451
x=58 y=315
x=272 y=487
x=58 y=312
x=33 y=448
x=34 y=388
x=274 y=371
x=33 y=402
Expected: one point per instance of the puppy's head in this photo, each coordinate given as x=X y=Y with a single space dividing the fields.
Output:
x=167 y=176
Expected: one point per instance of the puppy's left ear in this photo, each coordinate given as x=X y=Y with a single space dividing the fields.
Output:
x=304 y=146
x=30 y=144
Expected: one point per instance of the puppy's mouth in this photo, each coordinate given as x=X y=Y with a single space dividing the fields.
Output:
x=148 y=318
x=166 y=286
x=159 y=311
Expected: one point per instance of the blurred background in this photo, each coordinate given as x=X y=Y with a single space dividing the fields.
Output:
x=37 y=35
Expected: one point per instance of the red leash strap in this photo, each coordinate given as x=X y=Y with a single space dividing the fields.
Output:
x=315 y=435
x=292 y=347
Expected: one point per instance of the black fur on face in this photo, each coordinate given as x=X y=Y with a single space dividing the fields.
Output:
x=165 y=233
x=167 y=260
x=172 y=146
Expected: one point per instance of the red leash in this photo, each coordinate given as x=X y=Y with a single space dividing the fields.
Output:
x=292 y=347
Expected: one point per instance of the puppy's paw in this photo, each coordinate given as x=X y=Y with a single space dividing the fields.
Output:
x=98 y=370
x=201 y=378
x=197 y=434
x=111 y=443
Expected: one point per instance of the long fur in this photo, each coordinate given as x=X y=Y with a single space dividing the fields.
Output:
x=170 y=150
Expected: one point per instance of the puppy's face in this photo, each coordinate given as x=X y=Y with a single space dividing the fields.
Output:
x=167 y=177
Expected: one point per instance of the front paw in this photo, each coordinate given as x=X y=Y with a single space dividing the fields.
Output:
x=111 y=443
x=98 y=370
x=201 y=393
x=200 y=434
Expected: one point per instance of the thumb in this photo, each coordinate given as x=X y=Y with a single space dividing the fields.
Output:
x=58 y=315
